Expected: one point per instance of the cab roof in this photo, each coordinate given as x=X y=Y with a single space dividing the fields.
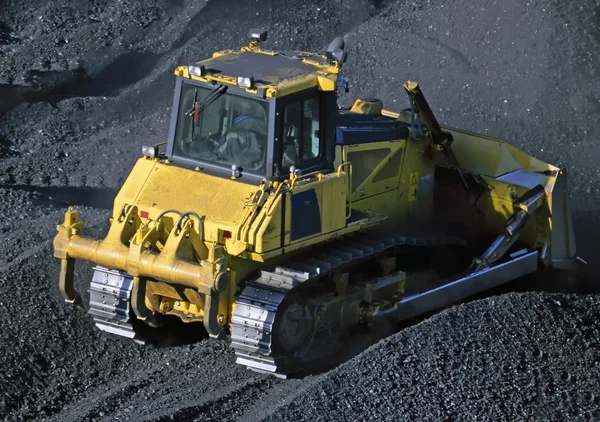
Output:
x=275 y=73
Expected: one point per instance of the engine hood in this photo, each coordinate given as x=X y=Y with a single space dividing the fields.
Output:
x=156 y=186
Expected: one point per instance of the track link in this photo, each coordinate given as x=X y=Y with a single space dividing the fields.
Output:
x=257 y=306
x=110 y=295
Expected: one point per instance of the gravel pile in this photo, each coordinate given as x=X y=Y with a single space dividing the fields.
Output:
x=515 y=357
x=83 y=84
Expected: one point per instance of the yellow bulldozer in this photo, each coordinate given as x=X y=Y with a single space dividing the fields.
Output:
x=282 y=221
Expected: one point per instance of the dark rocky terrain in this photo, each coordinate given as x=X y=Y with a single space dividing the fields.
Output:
x=83 y=84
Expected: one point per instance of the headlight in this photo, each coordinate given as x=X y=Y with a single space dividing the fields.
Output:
x=246 y=82
x=258 y=35
x=149 y=151
x=196 y=70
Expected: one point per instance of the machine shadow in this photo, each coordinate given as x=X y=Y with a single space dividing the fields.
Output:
x=584 y=280
x=64 y=196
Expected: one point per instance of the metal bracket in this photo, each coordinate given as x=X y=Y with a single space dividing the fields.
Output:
x=524 y=207
x=343 y=83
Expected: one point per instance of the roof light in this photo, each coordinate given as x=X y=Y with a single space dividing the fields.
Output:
x=149 y=151
x=258 y=35
x=246 y=82
x=196 y=70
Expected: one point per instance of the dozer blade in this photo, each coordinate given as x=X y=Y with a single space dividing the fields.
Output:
x=483 y=274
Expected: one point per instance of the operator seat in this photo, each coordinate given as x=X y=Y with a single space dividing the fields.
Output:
x=245 y=143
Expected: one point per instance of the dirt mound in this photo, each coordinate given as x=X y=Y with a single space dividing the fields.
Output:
x=84 y=84
x=514 y=357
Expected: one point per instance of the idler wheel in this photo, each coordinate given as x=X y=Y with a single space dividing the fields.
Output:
x=292 y=326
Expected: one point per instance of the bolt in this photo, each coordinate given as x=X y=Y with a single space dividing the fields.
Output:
x=177 y=303
x=221 y=318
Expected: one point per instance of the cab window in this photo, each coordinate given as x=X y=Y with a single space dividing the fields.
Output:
x=222 y=129
x=301 y=134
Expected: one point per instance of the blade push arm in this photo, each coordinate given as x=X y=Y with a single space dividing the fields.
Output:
x=524 y=207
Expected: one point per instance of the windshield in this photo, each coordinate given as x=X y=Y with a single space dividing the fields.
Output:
x=222 y=129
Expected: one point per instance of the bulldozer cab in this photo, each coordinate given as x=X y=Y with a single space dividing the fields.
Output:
x=255 y=114
x=230 y=129
x=263 y=138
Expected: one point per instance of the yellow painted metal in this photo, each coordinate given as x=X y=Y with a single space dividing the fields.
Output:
x=327 y=82
x=369 y=160
x=324 y=76
x=265 y=231
x=222 y=201
x=367 y=107
x=192 y=267
x=129 y=246
x=347 y=165
x=330 y=191
x=137 y=258
x=294 y=85
x=333 y=203
x=388 y=175
x=484 y=154
x=492 y=157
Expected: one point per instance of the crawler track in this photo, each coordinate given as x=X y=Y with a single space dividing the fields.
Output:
x=110 y=295
x=260 y=304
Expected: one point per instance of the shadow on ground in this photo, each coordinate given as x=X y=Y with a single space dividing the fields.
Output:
x=63 y=196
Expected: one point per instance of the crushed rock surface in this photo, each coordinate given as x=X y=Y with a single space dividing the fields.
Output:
x=520 y=356
x=83 y=84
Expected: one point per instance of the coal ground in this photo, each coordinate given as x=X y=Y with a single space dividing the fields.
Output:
x=83 y=84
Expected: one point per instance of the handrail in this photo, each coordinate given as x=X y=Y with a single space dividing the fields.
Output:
x=295 y=177
x=251 y=214
x=339 y=173
x=270 y=209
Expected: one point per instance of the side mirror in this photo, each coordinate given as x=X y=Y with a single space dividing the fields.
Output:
x=335 y=50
